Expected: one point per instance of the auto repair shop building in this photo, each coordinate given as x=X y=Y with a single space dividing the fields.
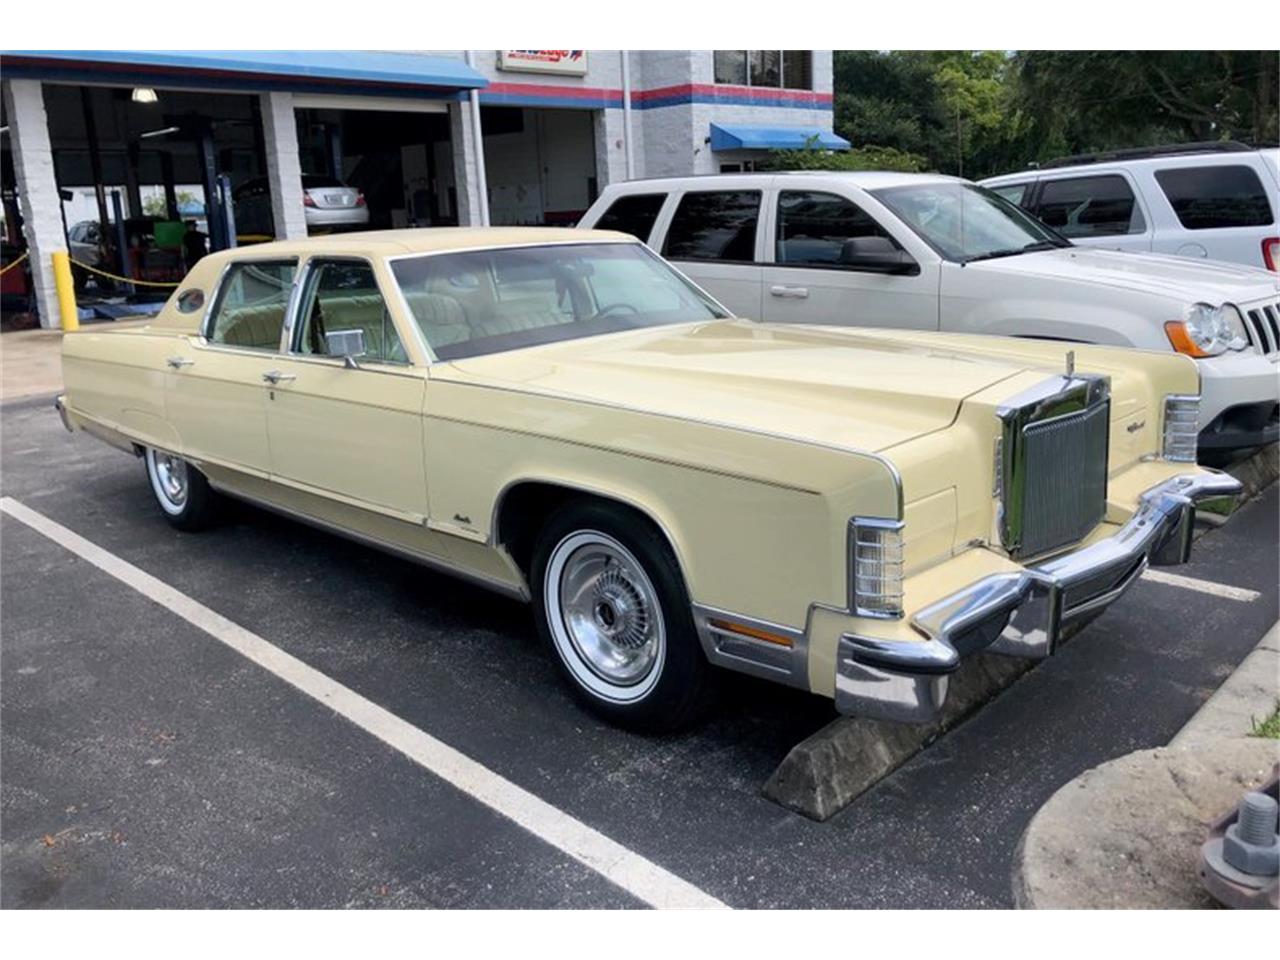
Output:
x=161 y=133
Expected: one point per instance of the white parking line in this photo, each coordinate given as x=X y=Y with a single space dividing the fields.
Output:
x=630 y=871
x=1202 y=586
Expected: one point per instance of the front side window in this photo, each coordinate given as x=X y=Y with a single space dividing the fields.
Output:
x=964 y=222
x=815 y=229
x=479 y=302
x=251 y=304
x=715 y=225
x=344 y=295
x=1206 y=198
x=1013 y=192
x=1102 y=206
x=634 y=214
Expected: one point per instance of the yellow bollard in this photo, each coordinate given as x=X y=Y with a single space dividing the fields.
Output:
x=66 y=291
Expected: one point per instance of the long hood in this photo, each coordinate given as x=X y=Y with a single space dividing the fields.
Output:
x=1179 y=278
x=825 y=385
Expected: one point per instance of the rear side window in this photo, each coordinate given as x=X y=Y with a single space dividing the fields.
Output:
x=634 y=214
x=1100 y=206
x=251 y=304
x=719 y=225
x=1205 y=198
x=814 y=229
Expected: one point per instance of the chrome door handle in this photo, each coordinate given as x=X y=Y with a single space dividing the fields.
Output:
x=275 y=376
x=792 y=293
x=179 y=362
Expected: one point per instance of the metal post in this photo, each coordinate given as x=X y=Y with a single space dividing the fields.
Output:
x=66 y=291
x=122 y=239
x=212 y=202
x=626 y=115
x=228 y=208
x=170 y=188
x=482 y=183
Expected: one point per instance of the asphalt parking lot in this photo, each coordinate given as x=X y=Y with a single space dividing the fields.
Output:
x=143 y=763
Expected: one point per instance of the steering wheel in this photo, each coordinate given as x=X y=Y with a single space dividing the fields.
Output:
x=609 y=308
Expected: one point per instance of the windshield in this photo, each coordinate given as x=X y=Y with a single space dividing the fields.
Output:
x=965 y=222
x=486 y=301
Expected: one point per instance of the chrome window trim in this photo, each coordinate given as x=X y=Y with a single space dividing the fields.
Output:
x=851 y=539
x=1050 y=399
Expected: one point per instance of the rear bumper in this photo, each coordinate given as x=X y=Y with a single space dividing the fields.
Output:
x=1023 y=613
x=60 y=404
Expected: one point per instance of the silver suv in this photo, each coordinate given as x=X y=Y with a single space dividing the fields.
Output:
x=1218 y=201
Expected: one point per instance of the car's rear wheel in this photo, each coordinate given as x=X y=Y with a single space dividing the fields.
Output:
x=610 y=602
x=183 y=493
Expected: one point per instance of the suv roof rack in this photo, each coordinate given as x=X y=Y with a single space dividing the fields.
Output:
x=1142 y=153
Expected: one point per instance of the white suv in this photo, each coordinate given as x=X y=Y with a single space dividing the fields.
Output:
x=927 y=252
x=1218 y=201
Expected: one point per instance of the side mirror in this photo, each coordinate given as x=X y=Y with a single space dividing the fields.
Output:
x=876 y=255
x=347 y=344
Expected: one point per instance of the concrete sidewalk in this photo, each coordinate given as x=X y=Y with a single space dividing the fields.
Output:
x=31 y=360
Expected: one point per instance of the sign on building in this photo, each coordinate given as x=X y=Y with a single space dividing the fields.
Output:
x=571 y=62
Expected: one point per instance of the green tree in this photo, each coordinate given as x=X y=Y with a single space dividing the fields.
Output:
x=155 y=206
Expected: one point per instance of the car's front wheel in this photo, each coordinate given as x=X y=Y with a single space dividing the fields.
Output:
x=610 y=602
x=183 y=493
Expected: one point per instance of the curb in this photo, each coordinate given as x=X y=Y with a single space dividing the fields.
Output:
x=1127 y=833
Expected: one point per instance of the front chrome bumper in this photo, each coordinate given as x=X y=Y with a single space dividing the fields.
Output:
x=1022 y=613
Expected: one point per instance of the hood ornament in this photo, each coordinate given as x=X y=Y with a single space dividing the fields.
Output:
x=1071 y=364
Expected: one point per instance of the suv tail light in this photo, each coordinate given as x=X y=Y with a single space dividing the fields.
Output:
x=1271 y=253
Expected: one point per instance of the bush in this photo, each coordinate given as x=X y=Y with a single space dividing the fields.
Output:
x=861 y=158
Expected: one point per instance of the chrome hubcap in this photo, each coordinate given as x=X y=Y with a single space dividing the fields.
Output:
x=171 y=473
x=608 y=608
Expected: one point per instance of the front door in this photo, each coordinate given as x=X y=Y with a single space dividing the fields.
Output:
x=214 y=393
x=813 y=278
x=350 y=432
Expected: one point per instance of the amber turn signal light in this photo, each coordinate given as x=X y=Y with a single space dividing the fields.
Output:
x=1181 y=340
x=764 y=635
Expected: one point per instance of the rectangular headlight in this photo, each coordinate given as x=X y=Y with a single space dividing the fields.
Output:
x=875 y=567
x=1181 y=428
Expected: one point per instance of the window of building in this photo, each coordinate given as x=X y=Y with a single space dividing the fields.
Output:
x=344 y=295
x=634 y=214
x=251 y=304
x=792 y=69
x=715 y=225
x=813 y=228
x=1205 y=198
x=1099 y=206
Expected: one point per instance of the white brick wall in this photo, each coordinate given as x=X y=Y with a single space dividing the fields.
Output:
x=37 y=189
x=284 y=168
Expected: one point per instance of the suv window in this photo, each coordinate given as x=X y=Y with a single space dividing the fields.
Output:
x=1205 y=198
x=1013 y=192
x=813 y=228
x=344 y=295
x=719 y=225
x=634 y=214
x=1100 y=206
x=251 y=304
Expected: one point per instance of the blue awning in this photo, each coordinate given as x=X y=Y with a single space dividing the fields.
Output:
x=328 y=70
x=741 y=137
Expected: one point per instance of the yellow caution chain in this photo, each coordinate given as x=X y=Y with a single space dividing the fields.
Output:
x=113 y=276
x=12 y=265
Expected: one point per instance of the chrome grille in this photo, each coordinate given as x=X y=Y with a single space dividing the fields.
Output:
x=1066 y=480
x=1262 y=324
x=1053 y=464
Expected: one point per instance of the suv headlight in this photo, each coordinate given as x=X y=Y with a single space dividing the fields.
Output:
x=1207 y=331
x=875 y=567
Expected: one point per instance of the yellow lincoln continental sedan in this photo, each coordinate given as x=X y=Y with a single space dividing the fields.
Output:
x=563 y=417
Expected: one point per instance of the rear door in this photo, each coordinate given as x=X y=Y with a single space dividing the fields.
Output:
x=1095 y=210
x=352 y=433
x=810 y=282
x=214 y=392
x=714 y=236
x=1223 y=211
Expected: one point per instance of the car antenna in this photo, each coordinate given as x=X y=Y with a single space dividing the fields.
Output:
x=1071 y=364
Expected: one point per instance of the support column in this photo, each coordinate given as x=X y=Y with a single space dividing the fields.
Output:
x=284 y=169
x=466 y=178
x=37 y=185
x=611 y=147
